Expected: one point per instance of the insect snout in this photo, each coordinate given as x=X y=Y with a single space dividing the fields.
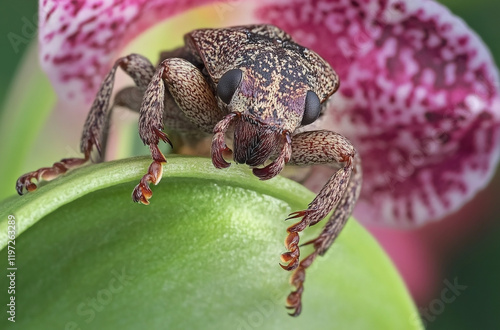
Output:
x=254 y=143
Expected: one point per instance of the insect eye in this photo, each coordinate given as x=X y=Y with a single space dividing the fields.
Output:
x=312 y=108
x=228 y=84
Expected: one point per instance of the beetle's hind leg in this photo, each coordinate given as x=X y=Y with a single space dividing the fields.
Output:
x=340 y=192
x=97 y=123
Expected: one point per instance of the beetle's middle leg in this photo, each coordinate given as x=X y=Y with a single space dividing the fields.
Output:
x=193 y=96
x=96 y=125
x=341 y=191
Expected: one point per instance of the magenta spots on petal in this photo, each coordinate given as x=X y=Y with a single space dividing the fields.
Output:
x=96 y=5
x=419 y=98
x=49 y=12
x=79 y=39
x=66 y=58
x=75 y=6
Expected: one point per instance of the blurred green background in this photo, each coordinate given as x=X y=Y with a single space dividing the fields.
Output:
x=12 y=20
x=476 y=265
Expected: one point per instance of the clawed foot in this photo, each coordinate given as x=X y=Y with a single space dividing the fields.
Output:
x=24 y=183
x=291 y=259
x=142 y=193
x=294 y=299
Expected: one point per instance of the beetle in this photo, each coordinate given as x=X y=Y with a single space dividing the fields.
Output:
x=251 y=87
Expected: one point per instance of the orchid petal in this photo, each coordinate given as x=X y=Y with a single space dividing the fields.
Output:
x=419 y=98
x=80 y=39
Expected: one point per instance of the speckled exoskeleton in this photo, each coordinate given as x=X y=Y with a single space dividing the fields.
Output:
x=252 y=87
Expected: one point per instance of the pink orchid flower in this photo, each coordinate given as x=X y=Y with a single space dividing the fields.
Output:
x=419 y=94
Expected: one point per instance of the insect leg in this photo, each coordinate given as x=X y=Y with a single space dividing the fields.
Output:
x=194 y=97
x=96 y=125
x=341 y=191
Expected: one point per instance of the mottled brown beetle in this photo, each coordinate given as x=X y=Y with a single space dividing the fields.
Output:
x=253 y=86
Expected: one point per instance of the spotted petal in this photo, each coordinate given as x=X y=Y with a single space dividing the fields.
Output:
x=419 y=98
x=80 y=39
x=419 y=93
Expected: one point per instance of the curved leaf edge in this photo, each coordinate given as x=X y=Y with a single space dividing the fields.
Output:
x=32 y=207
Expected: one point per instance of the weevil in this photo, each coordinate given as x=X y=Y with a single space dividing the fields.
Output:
x=252 y=88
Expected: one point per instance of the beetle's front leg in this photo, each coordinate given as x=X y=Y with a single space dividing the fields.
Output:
x=96 y=125
x=192 y=93
x=341 y=191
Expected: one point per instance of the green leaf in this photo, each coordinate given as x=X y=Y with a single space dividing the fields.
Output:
x=203 y=255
